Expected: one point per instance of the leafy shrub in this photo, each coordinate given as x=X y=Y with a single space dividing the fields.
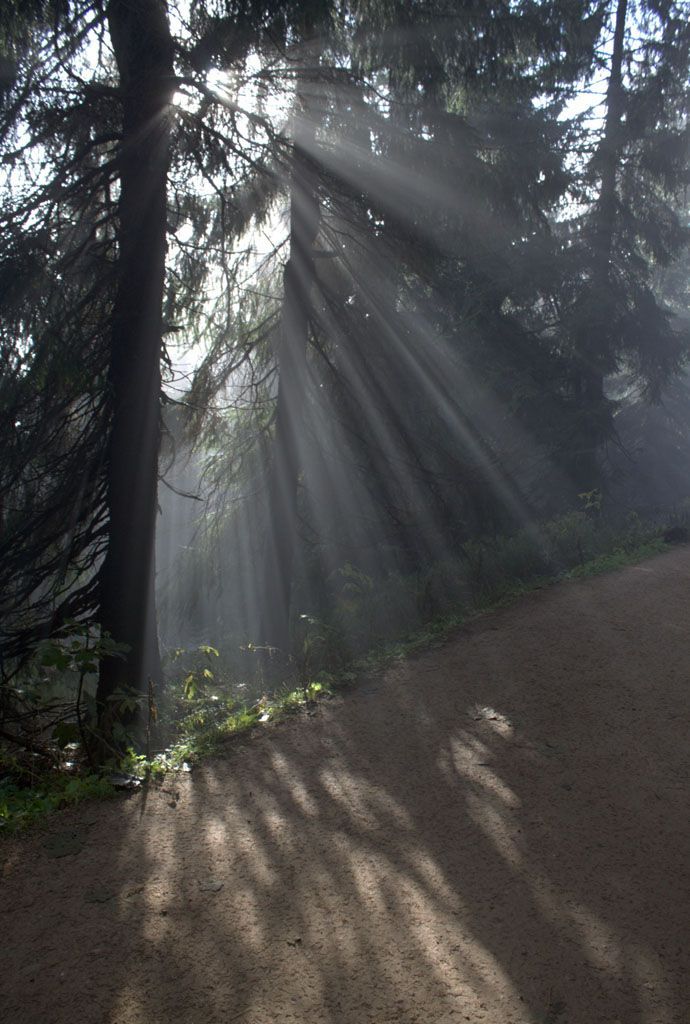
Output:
x=22 y=804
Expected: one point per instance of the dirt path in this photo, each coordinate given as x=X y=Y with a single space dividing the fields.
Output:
x=497 y=831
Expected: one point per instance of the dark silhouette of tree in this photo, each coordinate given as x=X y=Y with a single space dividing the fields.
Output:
x=57 y=283
x=611 y=317
x=143 y=49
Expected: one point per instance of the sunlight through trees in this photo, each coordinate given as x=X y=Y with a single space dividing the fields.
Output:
x=312 y=312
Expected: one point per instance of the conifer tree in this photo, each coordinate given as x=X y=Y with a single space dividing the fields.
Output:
x=143 y=49
x=611 y=317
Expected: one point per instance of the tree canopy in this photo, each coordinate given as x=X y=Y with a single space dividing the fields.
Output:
x=423 y=258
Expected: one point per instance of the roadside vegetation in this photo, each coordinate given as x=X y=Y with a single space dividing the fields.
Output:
x=45 y=753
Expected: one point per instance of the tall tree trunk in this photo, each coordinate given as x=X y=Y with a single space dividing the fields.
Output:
x=598 y=343
x=298 y=285
x=143 y=50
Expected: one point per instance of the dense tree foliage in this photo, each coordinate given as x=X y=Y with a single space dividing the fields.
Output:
x=420 y=272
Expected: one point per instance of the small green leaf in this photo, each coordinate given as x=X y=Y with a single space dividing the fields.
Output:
x=55 y=657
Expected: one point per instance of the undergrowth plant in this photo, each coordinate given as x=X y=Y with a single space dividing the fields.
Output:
x=370 y=613
x=20 y=805
x=372 y=622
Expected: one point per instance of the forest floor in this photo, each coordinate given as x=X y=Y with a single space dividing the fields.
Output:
x=494 y=831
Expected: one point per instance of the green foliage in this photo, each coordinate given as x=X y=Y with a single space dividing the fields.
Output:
x=478 y=300
x=373 y=611
x=20 y=805
x=197 y=719
x=76 y=648
x=199 y=722
x=618 y=559
x=317 y=646
x=294 y=699
x=206 y=725
x=437 y=630
x=52 y=697
x=65 y=734
x=376 y=621
x=488 y=570
x=200 y=719
x=591 y=501
x=199 y=676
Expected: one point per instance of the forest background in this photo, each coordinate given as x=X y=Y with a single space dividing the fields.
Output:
x=320 y=321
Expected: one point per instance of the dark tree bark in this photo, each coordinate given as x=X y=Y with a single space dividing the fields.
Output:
x=143 y=50
x=298 y=285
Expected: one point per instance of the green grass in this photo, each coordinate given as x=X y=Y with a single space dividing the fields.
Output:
x=204 y=731
x=20 y=805
x=618 y=559
x=211 y=721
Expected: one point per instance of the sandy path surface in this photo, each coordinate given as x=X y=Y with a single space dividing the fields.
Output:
x=496 y=831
